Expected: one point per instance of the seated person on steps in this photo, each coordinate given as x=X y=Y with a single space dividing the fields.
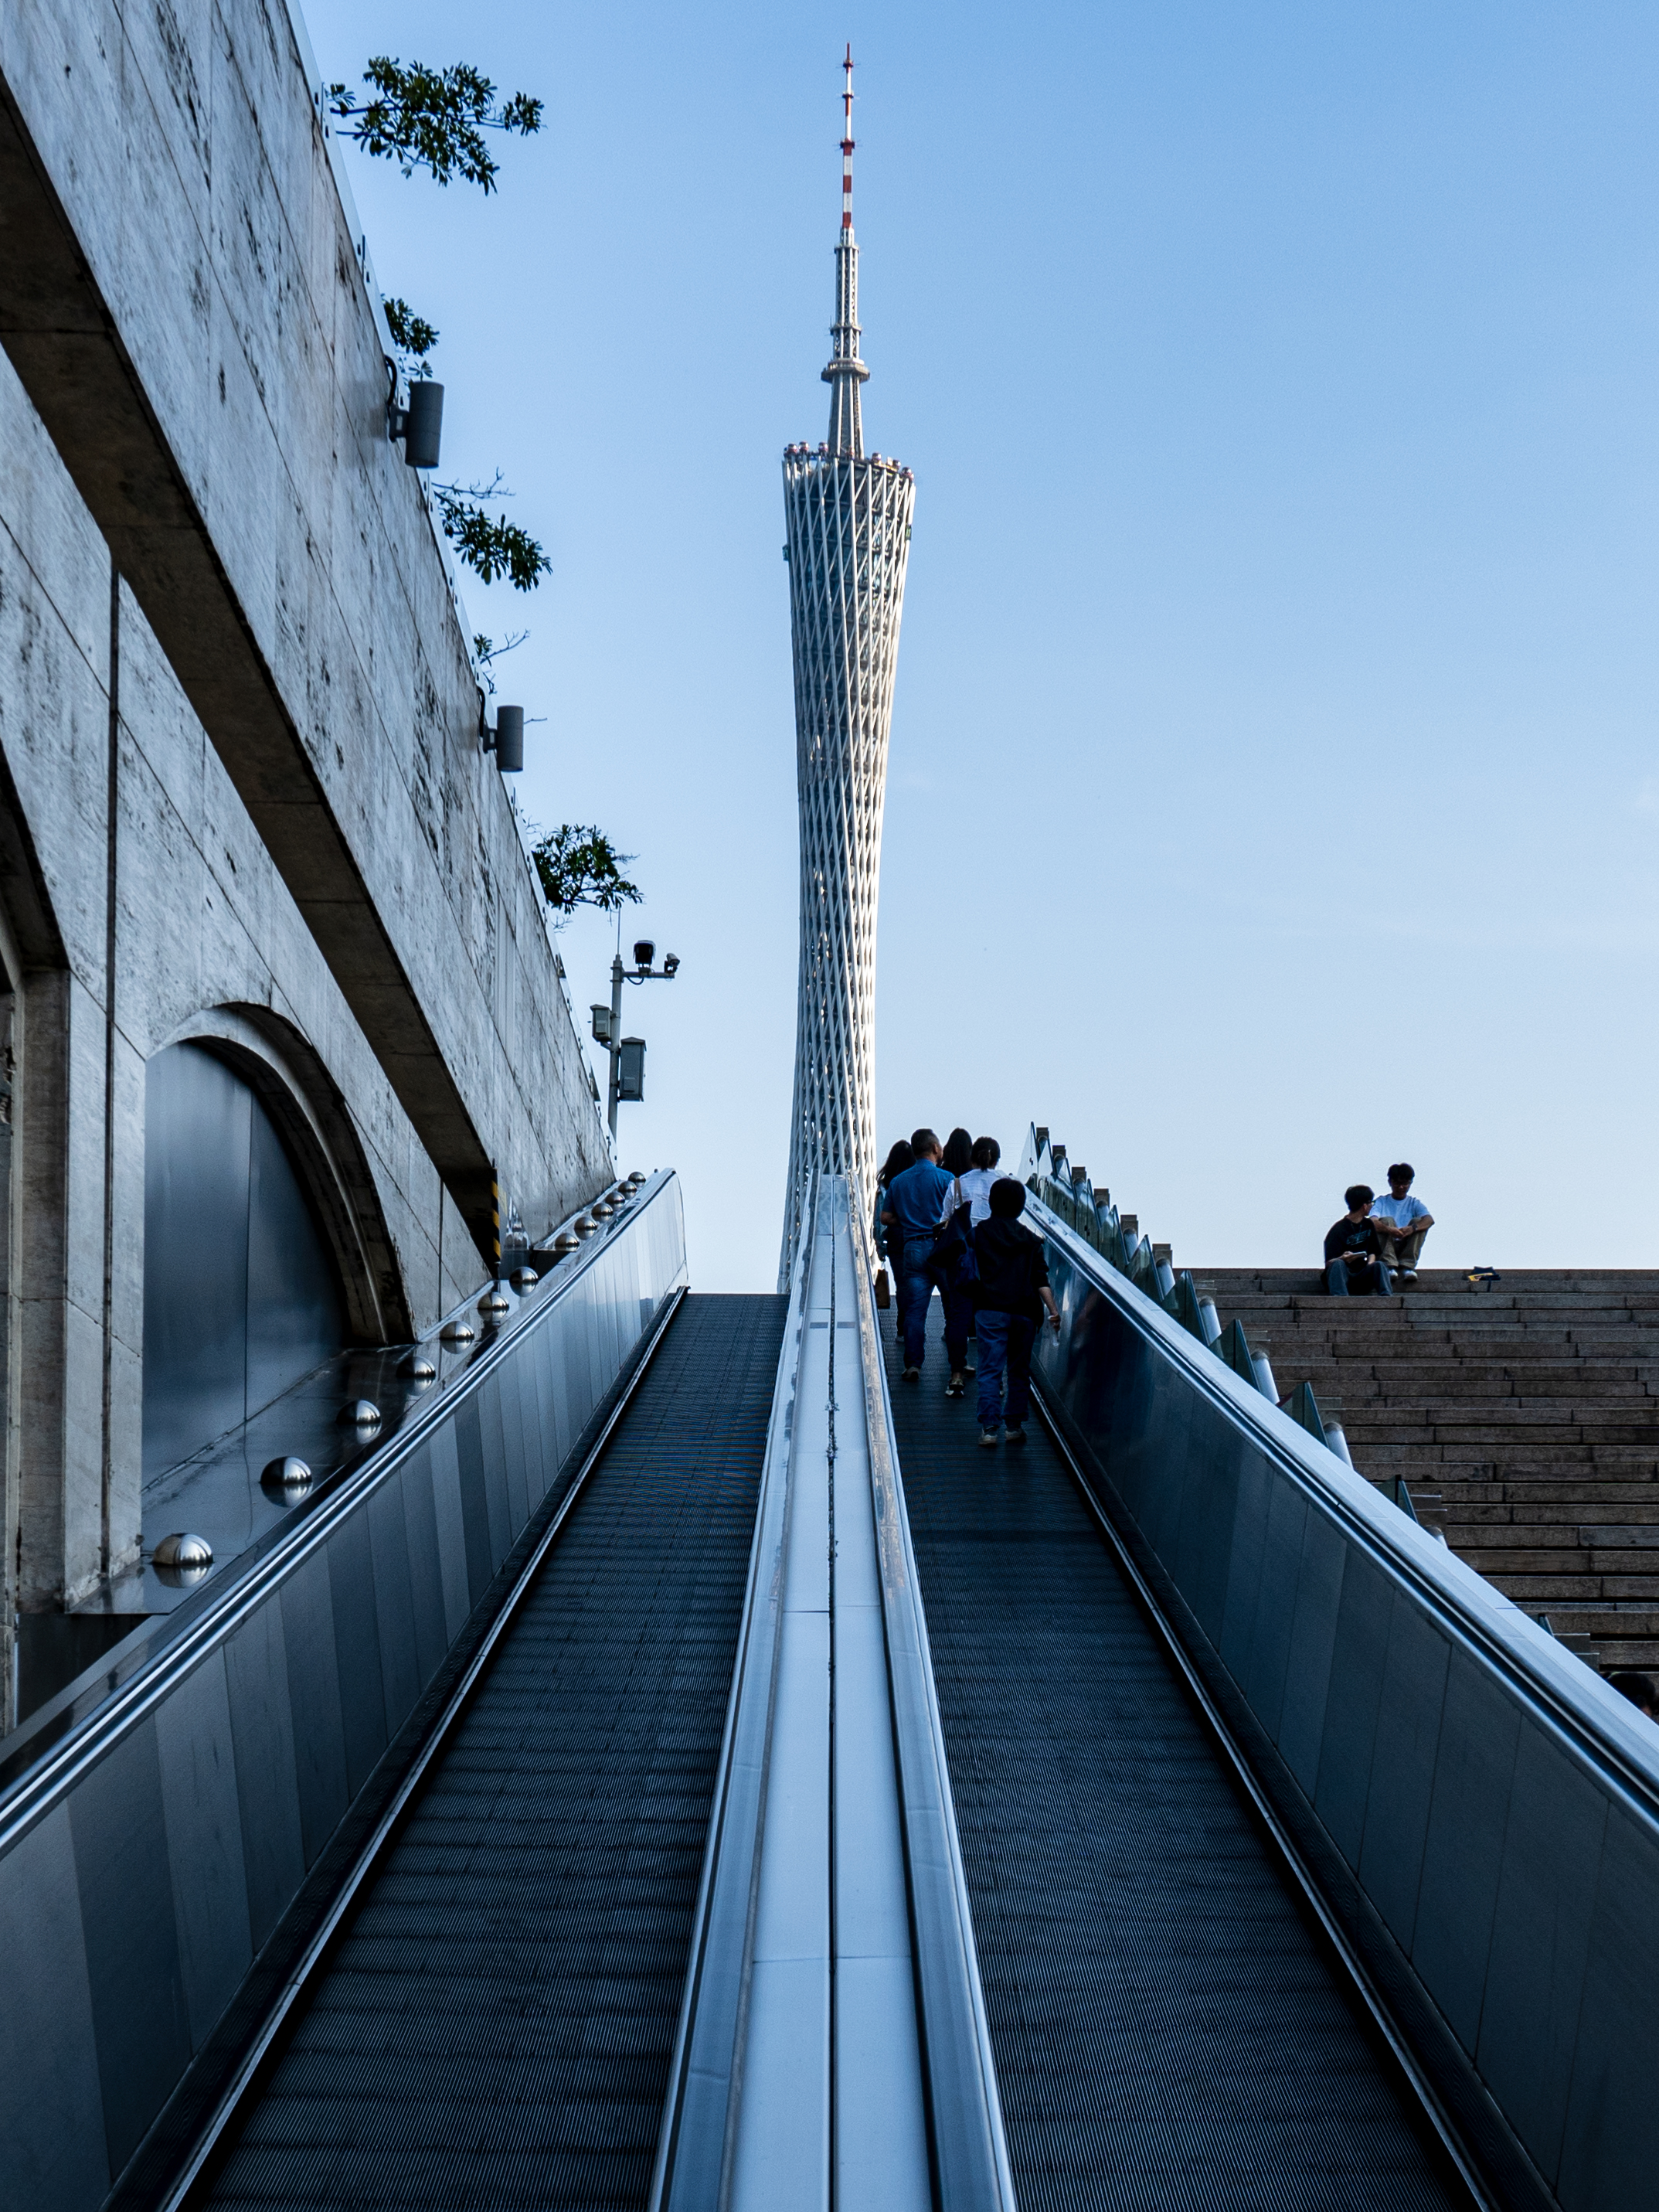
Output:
x=1402 y=1222
x=1353 y=1260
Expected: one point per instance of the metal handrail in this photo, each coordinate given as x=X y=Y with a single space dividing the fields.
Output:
x=1583 y=1715
x=697 y=2142
x=970 y=2145
x=215 y=1612
x=1068 y=1192
x=695 y=2139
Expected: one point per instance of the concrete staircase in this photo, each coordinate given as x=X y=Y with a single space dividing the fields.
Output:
x=1522 y=1417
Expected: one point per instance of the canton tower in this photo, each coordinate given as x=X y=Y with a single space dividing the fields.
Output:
x=849 y=519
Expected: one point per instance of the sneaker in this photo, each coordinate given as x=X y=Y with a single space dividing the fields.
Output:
x=912 y=1375
x=1015 y=1436
x=1408 y=1275
x=953 y=1388
x=988 y=1439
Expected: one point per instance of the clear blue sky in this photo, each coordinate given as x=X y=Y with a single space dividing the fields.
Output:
x=1274 y=789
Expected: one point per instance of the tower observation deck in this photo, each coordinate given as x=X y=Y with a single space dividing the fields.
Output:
x=848 y=519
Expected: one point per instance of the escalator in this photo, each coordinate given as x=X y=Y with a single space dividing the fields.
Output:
x=1170 y=2029
x=678 y=1768
x=494 y=2024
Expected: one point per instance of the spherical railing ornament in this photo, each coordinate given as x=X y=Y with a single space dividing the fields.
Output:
x=495 y=1301
x=603 y=1210
x=523 y=1279
x=416 y=1367
x=458 y=1332
x=361 y=1414
x=585 y=1225
x=564 y=1244
x=183 y=1553
x=288 y=1477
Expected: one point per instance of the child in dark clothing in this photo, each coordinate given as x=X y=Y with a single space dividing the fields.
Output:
x=1011 y=1295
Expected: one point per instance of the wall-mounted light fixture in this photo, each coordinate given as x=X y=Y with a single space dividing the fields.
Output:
x=506 y=740
x=421 y=424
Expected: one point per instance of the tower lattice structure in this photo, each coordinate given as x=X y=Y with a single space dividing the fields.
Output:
x=848 y=515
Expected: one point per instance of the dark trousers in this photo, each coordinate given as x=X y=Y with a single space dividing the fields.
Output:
x=1372 y=1280
x=958 y=1326
x=916 y=1287
x=1005 y=1340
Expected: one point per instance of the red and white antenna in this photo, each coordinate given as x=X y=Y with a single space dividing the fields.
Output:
x=847 y=147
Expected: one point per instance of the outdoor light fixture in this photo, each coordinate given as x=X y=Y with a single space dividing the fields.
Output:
x=628 y=1053
x=506 y=740
x=421 y=424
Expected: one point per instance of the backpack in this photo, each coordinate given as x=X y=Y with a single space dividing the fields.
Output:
x=951 y=1264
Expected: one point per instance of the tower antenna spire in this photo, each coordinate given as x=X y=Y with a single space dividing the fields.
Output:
x=846 y=150
x=845 y=372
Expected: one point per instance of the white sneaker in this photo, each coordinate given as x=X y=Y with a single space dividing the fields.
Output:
x=988 y=1439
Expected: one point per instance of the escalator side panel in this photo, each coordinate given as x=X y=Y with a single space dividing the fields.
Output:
x=495 y=2026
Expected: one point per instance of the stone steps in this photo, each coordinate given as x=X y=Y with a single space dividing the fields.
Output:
x=1524 y=1419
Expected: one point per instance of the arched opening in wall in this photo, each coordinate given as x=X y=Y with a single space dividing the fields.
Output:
x=241 y=1293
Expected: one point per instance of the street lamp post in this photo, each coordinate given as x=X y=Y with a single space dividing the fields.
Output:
x=627 y=1084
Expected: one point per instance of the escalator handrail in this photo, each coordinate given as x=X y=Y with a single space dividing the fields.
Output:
x=697 y=2138
x=691 y=2164
x=1590 y=1721
x=969 y=2143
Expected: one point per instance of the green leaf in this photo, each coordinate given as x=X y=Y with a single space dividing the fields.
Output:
x=491 y=545
x=578 y=865
x=433 y=118
x=412 y=335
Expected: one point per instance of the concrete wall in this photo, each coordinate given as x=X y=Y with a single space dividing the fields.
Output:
x=183 y=300
x=242 y=795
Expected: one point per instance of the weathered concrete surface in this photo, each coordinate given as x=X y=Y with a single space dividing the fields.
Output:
x=208 y=943
x=182 y=303
x=240 y=793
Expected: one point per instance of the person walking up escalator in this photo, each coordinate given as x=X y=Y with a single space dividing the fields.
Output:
x=887 y=1242
x=1012 y=1293
x=952 y=1275
x=916 y=1201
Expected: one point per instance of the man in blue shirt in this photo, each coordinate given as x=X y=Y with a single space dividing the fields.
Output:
x=916 y=1206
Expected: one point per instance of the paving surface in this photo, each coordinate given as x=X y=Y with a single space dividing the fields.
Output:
x=495 y=2028
x=1168 y=2032
x=1524 y=1417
